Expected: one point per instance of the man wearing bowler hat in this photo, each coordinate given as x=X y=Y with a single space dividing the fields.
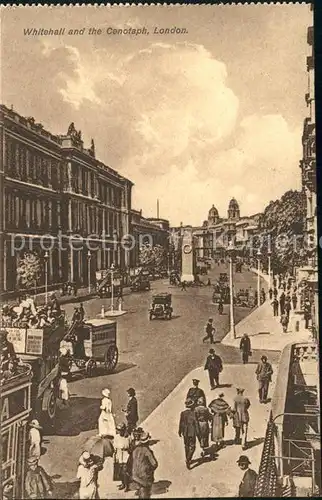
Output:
x=188 y=429
x=248 y=483
x=214 y=367
x=196 y=393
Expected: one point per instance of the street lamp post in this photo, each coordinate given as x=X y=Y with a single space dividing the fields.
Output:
x=46 y=256
x=112 y=287
x=231 y=252
x=259 y=254
x=269 y=254
x=89 y=256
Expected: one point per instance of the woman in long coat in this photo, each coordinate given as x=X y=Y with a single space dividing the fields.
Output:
x=106 y=422
x=203 y=418
x=219 y=409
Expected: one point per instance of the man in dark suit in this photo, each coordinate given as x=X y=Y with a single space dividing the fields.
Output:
x=264 y=372
x=131 y=411
x=245 y=348
x=188 y=429
x=248 y=483
x=214 y=367
x=196 y=393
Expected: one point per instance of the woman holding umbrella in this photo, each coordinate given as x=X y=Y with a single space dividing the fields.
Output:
x=106 y=422
x=219 y=409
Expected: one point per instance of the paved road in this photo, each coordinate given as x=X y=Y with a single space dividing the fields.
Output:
x=154 y=357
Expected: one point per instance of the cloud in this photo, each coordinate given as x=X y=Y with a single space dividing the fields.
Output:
x=166 y=117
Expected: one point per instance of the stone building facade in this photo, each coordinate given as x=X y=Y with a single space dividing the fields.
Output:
x=57 y=197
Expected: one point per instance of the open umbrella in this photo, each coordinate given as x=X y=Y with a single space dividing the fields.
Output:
x=99 y=446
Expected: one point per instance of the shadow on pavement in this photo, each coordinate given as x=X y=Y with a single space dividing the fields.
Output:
x=122 y=367
x=61 y=491
x=81 y=415
x=161 y=487
x=254 y=442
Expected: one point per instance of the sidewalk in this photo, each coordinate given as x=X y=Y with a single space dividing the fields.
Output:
x=218 y=478
x=266 y=331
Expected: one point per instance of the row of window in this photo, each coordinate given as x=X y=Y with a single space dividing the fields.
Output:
x=83 y=181
x=25 y=213
x=24 y=164
x=87 y=219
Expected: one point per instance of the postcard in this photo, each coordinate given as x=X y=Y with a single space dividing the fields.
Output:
x=159 y=270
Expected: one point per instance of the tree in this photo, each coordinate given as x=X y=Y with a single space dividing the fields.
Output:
x=283 y=222
x=152 y=256
x=29 y=270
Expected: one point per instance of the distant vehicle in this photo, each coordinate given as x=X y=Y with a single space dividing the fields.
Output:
x=223 y=278
x=242 y=299
x=161 y=306
x=140 y=285
x=104 y=283
x=238 y=267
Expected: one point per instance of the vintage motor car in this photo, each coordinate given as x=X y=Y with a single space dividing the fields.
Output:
x=140 y=285
x=161 y=306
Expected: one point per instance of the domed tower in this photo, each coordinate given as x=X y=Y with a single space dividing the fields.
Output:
x=213 y=216
x=233 y=210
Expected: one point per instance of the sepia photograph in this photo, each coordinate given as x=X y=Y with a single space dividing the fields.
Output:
x=159 y=252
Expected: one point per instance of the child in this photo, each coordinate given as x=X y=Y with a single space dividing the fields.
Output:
x=121 y=444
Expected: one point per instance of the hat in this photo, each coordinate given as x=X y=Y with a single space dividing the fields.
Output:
x=121 y=427
x=210 y=319
x=131 y=391
x=106 y=393
x=144 y=438
x=32 y=460
x=221 y=395
x=35 y=424
x=137 y=432
x=212 y=351
x=189 y=403
x=195 y=380
x=243 y=459
x=85 y=458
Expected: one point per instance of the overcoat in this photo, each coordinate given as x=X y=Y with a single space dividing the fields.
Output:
x=144 y=464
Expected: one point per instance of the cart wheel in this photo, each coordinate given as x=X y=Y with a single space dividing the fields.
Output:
x=49 y=407
x=111 y=358
x=90 y=367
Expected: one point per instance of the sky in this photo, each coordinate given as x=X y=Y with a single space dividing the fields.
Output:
x=193 y=119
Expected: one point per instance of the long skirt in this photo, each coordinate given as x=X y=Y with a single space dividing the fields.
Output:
x=106 y=424
x=218 y=427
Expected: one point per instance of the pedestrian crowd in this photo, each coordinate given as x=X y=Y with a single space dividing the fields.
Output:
x=123 y=444
x=285 y=297
x=206 y=424
x=27 y=315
